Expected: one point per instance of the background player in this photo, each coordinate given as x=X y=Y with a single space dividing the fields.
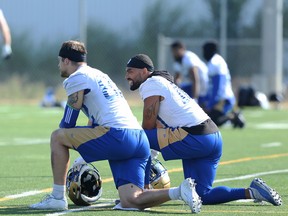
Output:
x=177 y=126
x=114 y=134
x=5 y=30
x=191 y=73
x=220 y=97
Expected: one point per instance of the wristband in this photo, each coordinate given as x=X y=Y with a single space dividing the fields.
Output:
x=70 y=117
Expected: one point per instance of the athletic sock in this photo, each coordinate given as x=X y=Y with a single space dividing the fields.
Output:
x=58 y=191
x=254 y=194
x=174 y=193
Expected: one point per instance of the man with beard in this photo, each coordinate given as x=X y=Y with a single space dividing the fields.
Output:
x=113 y=134
x=191 y=73
x=178 y=127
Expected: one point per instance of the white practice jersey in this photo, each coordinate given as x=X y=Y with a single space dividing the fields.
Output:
x=190 y=60
x=218 y=67
x=104 y=104
x=177 y=109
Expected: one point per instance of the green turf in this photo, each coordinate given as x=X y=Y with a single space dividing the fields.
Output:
x=25 y=162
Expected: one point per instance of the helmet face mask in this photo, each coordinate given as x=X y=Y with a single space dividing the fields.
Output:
x=83 y=184
x=159 y=177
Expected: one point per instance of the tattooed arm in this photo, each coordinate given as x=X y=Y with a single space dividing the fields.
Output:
x=150 y=112
x=72 y=110
x=76 y=100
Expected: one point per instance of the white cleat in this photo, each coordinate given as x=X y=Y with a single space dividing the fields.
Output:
x=190 y=196
x=50 y=202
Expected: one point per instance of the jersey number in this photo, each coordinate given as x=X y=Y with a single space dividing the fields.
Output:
x=109 y=89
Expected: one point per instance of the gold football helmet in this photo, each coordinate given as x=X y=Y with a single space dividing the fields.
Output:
x=159 y=177
x=83 y=184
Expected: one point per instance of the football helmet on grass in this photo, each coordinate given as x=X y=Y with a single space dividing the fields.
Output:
x=83 y=184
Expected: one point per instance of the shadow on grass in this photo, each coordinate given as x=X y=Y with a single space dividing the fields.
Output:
x=167 y=212
x=21 y=210
x=169 y=209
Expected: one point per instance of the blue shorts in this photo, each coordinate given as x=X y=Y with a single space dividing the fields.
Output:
x=127 y=151
x=200 y=154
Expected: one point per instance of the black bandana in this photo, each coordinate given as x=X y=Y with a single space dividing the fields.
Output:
x=73 y=55
x=141 y=61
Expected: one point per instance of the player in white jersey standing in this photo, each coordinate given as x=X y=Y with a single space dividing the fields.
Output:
x=5 y=30
x=220 y=97
x=191 y=73
x=177 y=127
x=113 y=134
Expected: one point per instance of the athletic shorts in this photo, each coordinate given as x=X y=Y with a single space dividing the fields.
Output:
x=200 y=154
x=127 y=151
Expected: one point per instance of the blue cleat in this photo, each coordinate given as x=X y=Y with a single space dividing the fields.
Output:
x=262 y=192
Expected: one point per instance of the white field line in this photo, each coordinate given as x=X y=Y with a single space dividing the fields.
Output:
x=251 y=175
x=24 y=141
x=271 y=125
x=271 y=145
x=25 y=194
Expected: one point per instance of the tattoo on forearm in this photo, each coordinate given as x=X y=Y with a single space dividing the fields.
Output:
x=73 y=99
x=150 y=111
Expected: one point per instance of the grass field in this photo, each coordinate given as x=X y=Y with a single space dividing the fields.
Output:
x=25 y=177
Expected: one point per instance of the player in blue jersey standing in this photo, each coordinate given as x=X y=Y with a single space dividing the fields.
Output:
x=177 y=127
x=113 y=134
x=220 y=98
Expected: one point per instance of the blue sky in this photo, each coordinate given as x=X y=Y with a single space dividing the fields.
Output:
x=50 y=20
